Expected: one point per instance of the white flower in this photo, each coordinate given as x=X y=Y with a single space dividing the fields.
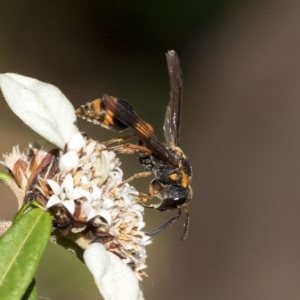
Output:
x=80 y=183
x=69 y=161
x=64 y=194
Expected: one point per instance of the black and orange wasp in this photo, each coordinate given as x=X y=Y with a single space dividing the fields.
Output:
x=167 y=163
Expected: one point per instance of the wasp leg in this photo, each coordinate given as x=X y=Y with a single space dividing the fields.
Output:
x=144 y=197
x=164 y=226
x=186 y=224
x=120 y=139
x=171 y=221
x=139 y=175
x=136 y=176
x=128 y=149
x=154 y=189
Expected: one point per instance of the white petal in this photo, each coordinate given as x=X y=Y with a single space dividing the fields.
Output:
x=84 y=180
x=76 y=142
x=106 y=215
x=114 y=279
x=127 y=200
x=68 y=183
x=90 y=148
x=133 y=191
x=52 y=201
x=78 y=193
x=85 y=210
x=141 y=225
x=69 y=205
x=42 y=106
x=138 y=207
x=108 y=203
x=92 y=213
x=117 y=174
x=69 y=161
x=112 y=155
x=55 y=187
x=96 y=194
x=146 y=240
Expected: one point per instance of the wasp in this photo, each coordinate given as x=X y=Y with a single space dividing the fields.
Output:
x=166 y=162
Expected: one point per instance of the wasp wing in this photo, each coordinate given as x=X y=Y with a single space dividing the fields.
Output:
x=125 y=114
x=173 y=113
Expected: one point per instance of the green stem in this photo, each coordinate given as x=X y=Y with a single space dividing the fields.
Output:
x=5 y=177
x=26 y=206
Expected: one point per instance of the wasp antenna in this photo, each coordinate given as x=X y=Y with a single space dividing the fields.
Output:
x=164 y=226
x=186 y=225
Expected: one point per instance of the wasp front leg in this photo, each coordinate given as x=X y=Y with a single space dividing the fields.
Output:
x=154 y=191
x=136 y=176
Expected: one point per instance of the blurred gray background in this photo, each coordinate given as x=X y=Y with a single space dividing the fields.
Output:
x=240 y=130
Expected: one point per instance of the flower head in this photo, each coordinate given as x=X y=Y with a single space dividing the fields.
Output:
x=79 y=181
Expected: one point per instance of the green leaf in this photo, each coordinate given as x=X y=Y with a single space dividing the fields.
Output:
x=21 y=249
x=31 y=293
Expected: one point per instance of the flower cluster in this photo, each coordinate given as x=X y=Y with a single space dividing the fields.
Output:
x=80 y=182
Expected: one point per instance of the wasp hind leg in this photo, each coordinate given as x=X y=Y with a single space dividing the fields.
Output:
x=128 y=149
x=120 y=139
x=125 y=148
